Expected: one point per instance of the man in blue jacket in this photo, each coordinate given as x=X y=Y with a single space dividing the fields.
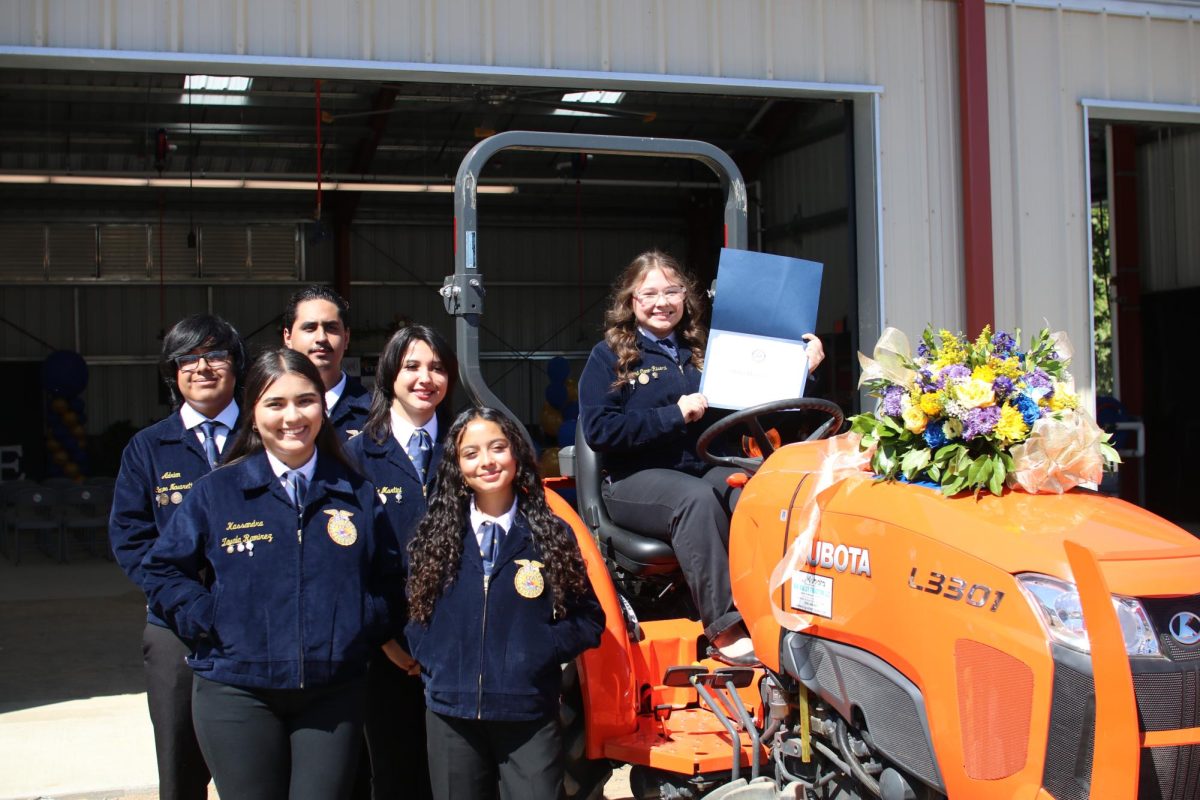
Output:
x=316 y=322
x=201 y=363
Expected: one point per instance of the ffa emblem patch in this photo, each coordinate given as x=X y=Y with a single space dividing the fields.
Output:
x=529 y=580
x=340 y=528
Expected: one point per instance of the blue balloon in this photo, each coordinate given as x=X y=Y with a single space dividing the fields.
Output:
x=556 y=394
x=558 y=369
x=64 y=373
x=566 y=433
x=570 y=410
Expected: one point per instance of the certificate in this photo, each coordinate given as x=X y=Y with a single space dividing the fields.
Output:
x=743 y=369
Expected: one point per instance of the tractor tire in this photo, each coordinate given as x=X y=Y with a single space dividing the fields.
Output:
x=583 y=777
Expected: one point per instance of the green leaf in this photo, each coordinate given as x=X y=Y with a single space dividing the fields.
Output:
x=996 y=484
x=914 y=461
x=953 y=487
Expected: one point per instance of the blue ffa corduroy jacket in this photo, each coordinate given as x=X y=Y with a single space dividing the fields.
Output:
x=490 y=653
x=289 y=606
x=159 y=467
x=350 y=412
x=638 y=425
x=400 y=490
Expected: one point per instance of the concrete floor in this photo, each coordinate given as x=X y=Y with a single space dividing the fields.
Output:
x=73 y=718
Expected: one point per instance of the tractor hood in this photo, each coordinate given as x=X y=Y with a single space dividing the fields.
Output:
x=1021 y=532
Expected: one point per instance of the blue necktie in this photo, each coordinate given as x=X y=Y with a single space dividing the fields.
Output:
x=671 y=350
x=209 y=429
x=297 y=487
x=420 y=446
x=491 y=535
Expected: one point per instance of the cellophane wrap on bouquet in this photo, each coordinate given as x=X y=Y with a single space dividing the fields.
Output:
x=1059 y=455
x=843 y=459
x=959 y=411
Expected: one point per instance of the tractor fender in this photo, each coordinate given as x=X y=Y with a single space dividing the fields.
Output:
x=849 y=678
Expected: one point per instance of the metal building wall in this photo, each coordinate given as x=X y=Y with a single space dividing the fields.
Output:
x=1043 y=59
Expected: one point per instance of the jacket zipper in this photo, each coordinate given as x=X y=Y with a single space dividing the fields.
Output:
x=482 y=636
x=300 y=590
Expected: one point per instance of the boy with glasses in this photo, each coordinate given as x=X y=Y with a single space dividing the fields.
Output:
x=201 y=364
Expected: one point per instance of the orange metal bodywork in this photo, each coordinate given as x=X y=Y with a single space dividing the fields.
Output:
x=905 y=611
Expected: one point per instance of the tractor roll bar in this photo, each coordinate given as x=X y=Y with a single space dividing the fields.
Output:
x=463 y=292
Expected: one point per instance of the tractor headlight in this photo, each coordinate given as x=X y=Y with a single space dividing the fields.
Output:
x=1058 y=606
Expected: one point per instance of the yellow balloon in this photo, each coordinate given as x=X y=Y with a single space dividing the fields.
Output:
x=71 y=468
x=70 y=417
x=572 y=389
x=550 y=420
x=59 y=405
x=59 y=457
x=53 y=445
x=548 y=466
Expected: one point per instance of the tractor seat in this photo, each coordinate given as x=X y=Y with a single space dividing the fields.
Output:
x=635 y=553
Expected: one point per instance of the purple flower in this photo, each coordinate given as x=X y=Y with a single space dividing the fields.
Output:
x=891 y=401
x=1003 y=344
x=1039 y=383
x=935 y=437
x=980 y=421
x=1002 y=387
x=925 y=381
x=1029 y=409
x=954 y=372
x=922 y=350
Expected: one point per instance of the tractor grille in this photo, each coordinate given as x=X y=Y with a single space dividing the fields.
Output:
x=1168 y=699
x=1068 y=770
x=1161 y=610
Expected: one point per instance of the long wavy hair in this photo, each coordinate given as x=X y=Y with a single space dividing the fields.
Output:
x=621 y=326
x=436 y=549
x=379 y=421
x=268 y=367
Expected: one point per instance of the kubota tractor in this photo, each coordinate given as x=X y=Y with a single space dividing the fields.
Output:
x=1019 y=646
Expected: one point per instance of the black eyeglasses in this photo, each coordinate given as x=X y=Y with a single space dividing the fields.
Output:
x=216 y=359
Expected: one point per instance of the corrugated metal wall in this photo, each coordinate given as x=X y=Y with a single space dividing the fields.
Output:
x=1043 y=57
x=1169 y=205
x=1042 y=61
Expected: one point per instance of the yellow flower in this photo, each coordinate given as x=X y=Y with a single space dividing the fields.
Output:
x=985 y=336
x=931 y=404
x=984 y=373
x=1008 y=367
x=974 y=393
x=952 y=350
x=1011 y=427
x=915 y=419
x=1063 y=398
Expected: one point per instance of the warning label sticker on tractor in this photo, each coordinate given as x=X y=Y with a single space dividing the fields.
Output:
x=812 y=594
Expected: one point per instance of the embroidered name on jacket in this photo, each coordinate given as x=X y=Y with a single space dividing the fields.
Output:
x=246 y=542
x=396 y=491
x=644 y=375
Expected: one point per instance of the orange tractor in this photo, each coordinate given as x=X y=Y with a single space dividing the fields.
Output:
x=1019 y=646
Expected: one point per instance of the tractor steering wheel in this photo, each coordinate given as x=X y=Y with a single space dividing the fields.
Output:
x=749 y=417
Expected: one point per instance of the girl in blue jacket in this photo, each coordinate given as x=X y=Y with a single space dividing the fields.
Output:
x=277 y=570
x=399 y=450
x=498 y=600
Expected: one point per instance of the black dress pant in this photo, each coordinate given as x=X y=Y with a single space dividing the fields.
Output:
x=280 y=744
x=692 y=513
x=182 y=773
x=468 y=758
x=395 y=726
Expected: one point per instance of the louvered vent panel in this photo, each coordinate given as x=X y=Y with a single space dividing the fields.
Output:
x=273 y=251
x=22 y=250
x=123 y=251
x=72 y=249
x=179 y=260
x=225 y=253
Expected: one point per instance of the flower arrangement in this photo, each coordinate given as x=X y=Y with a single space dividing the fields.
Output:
x=978 y=415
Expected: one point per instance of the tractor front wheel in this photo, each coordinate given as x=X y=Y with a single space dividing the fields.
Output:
x=583 y=777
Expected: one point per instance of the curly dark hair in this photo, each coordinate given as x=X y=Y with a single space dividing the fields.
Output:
x=436 y=549
x=620 y=324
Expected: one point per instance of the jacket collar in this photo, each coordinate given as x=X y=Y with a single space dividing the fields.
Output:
x=256 y=474
x=394 y=453
x=354 y=398
x=173 y=432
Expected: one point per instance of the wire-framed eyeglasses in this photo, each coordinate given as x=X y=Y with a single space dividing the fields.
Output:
x=190 y=362
x=671 y=294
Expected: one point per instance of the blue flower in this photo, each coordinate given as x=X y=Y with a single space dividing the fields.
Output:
x=1029 y=409
x=1002 y=387
x=1003 y=344
x=922 y=350
x=935 y=437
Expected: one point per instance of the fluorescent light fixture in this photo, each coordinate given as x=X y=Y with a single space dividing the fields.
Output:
x=240 y=183
x=595 y=96
x=216 y=83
